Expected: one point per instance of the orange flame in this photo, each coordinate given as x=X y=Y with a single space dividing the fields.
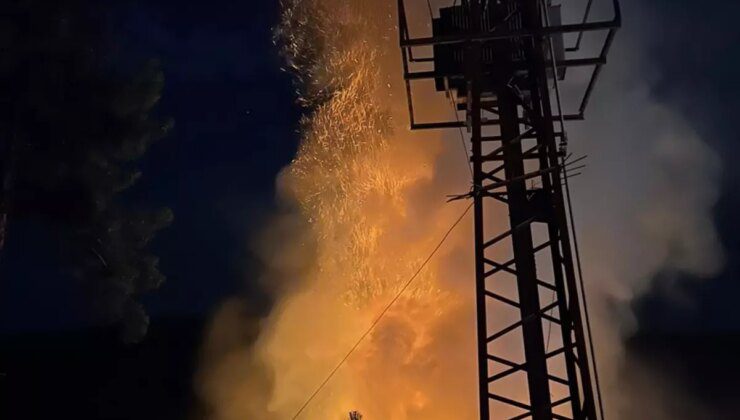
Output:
x=372 y=195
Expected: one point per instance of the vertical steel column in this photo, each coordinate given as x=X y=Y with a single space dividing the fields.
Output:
x=549 y=157
x=472 y=64
x=543 y=109
x=520 y=210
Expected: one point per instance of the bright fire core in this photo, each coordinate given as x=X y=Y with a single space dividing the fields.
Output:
x=370 y=197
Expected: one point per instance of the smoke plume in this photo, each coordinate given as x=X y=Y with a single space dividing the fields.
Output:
x=644 y=206
x=363 y=205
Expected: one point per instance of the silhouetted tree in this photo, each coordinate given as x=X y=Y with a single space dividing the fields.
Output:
x=72 y=127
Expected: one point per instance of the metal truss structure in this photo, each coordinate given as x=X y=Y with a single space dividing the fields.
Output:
x=499 y=61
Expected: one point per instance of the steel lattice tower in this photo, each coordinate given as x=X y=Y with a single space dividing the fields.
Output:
x=501 y=60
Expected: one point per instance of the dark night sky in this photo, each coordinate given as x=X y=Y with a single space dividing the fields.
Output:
x=235 y=127
x=697 y=50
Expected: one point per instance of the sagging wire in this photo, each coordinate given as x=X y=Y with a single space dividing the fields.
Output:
x=429 y=6
x=563 y=146
x=454 y=107
x=383 y=312
x=468 y=163
x=501 y=183
x=568 y=165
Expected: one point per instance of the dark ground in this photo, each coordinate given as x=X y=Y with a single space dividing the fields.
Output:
x=92 y=375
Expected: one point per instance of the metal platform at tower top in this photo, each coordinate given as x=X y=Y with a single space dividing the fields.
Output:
x=415 y=68
x=500 y=62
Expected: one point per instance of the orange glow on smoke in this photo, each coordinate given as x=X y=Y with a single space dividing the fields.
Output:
x=365 y=205
x=373 y=196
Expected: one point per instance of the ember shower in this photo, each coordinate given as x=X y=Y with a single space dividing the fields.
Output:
x=372 y=211
x=363 y=208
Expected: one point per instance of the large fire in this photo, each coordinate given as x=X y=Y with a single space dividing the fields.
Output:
x=368 y=192
x=364 y=202
x=373 y=198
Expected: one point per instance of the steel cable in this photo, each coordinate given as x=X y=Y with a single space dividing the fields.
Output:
x=572 y=218
x=383 y=312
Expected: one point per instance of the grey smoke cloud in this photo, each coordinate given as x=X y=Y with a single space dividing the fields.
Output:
x=643 y=206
